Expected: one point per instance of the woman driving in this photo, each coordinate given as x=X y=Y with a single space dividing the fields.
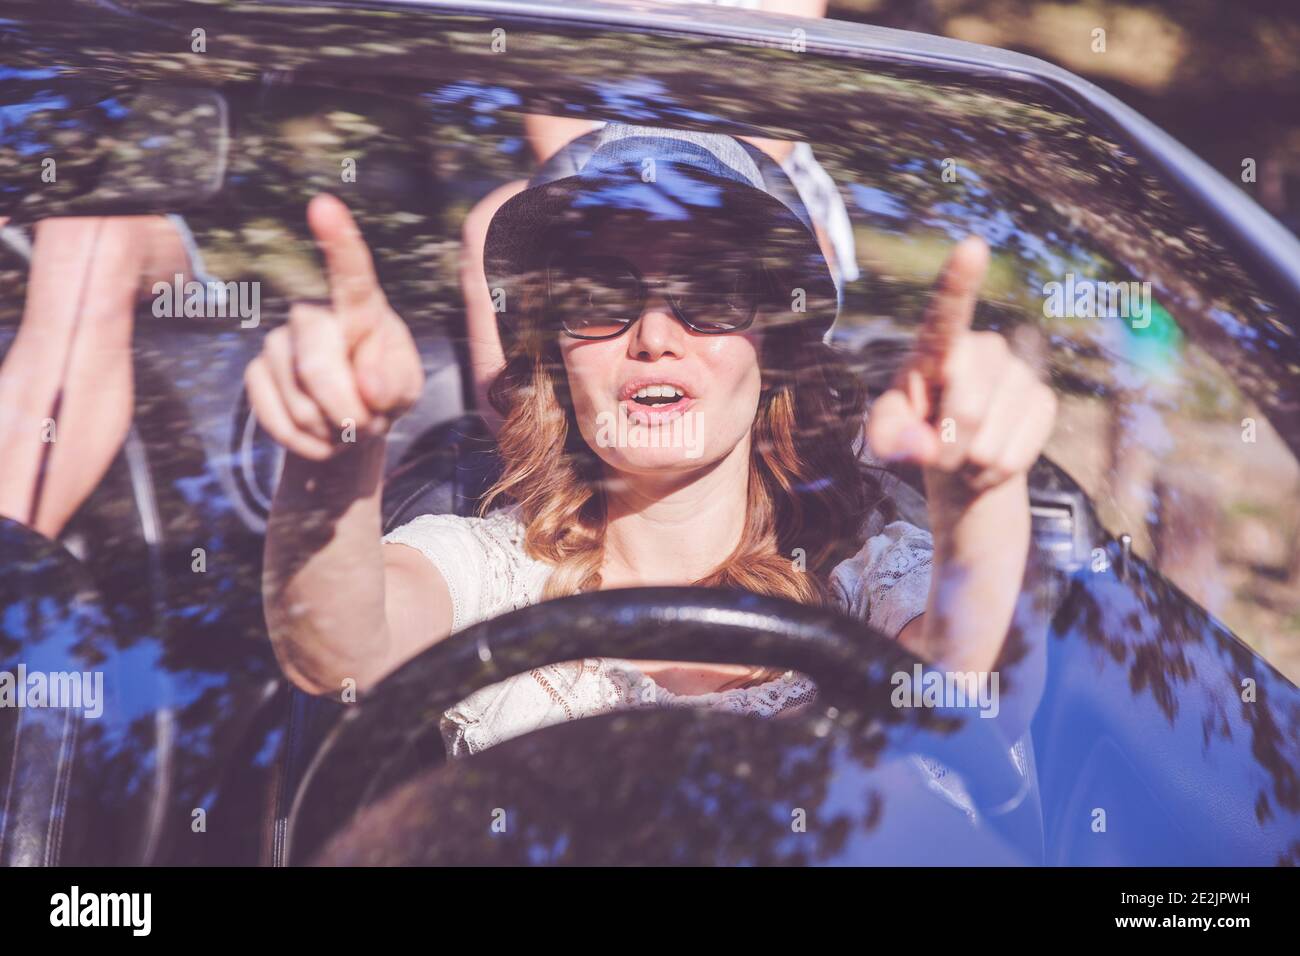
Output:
x=671 y=416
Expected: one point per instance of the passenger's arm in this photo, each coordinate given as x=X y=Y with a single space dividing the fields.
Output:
x=483 y=338
x=813 y=9
x=548 y=134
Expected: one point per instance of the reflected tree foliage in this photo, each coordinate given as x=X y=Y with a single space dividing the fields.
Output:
x=673 y=789
x=1223 y=705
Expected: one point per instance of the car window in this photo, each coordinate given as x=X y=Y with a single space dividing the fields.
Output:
x=1172 y=366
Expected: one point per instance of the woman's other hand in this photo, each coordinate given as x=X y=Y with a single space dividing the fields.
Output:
x=339 y=373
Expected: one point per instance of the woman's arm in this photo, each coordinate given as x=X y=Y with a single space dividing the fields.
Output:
x=340 y=604
x=975 y=418
x=328 y=384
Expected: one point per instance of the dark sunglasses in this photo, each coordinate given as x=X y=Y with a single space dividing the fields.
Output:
x=600 y=297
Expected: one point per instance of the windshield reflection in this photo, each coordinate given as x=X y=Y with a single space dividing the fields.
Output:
x=190 y=676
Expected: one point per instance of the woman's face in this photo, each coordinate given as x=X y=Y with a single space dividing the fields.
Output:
x=661 y=397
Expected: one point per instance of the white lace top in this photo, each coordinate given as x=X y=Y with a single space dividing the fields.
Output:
x=488 y=573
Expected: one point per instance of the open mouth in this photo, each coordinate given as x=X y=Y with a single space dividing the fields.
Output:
x=658 y=396
x=654 y=403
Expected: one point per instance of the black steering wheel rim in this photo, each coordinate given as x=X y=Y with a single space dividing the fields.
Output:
x=850 y=663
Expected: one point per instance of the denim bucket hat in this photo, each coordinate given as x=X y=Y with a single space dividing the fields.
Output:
x=673 y=177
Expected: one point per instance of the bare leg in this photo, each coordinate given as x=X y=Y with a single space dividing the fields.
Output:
x=66 y=385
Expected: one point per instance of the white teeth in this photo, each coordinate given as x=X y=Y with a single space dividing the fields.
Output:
x=659 y=391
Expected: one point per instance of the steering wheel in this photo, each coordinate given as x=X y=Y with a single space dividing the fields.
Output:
x=393 y=733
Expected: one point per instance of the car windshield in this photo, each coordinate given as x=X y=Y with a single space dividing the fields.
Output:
x=1171 y=467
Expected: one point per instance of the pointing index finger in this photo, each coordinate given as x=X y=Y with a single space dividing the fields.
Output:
x=952 y=307
x=354 y=287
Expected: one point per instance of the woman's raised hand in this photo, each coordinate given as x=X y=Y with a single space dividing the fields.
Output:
x=974 y=417
x=335 y=374
x=963 y=407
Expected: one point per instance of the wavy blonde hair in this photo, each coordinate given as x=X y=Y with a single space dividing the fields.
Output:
x=807 y=495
